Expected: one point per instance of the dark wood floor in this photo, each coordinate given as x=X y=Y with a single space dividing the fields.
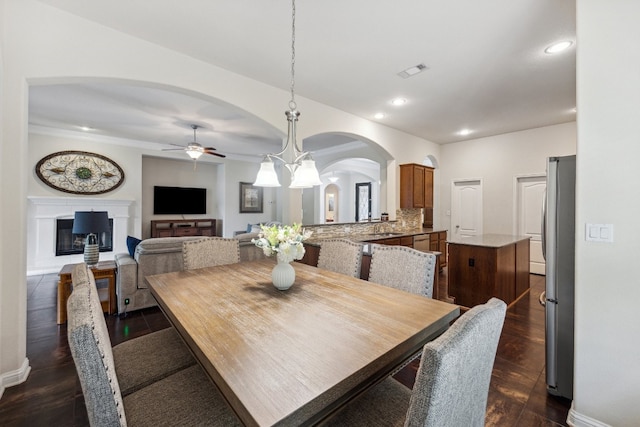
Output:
x=52 y=396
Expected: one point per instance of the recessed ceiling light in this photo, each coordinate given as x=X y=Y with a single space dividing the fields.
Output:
x=464 y=132
x=85 y=128
x=558 y=47
x=379 y=116
x=412 y=71
x=398 y=101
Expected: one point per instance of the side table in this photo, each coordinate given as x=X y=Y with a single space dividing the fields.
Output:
x=102 y=270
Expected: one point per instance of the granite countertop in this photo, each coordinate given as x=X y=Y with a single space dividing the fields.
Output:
x=317 y=238
x=488 y=240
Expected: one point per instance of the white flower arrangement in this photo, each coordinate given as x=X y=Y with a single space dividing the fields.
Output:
x=284 y=241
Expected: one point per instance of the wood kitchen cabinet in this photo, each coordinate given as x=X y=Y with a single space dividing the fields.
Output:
x=394 y=241
x=488 y=266
x=412 y=186
x=435 y=241
x=416 y=189
x=441 y=238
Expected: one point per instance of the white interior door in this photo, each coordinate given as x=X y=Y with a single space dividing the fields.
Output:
x=530 y=191
x=466 y=208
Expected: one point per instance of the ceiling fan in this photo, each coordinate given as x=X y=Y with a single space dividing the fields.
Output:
x=195 y=150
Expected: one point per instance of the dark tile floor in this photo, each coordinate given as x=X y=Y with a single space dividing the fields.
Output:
x=52 y=396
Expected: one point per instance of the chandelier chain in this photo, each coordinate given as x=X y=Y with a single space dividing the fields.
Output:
x=292 y=103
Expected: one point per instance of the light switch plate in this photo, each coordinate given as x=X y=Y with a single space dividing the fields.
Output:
x=599 y=233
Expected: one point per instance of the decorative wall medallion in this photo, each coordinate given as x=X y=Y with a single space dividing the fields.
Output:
x=80 y=172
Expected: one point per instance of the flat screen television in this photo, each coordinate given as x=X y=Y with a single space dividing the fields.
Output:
x=179 y=200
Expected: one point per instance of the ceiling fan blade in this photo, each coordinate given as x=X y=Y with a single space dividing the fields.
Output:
x=209 y=148
x=213 y=153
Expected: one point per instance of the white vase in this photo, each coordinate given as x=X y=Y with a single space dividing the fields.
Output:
x=283 y=275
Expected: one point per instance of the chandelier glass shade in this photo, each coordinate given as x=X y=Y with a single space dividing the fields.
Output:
x=299 y=163
x=193 y=151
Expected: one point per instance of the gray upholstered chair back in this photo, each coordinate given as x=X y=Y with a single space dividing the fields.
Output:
x=91 y=350
x=209 y=252
x=452 y=383
x=341 y=255
x=403 y=268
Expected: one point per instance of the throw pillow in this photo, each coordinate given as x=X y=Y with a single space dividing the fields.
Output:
x=132 y=243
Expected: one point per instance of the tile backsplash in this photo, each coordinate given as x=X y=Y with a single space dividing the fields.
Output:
x=407 y=220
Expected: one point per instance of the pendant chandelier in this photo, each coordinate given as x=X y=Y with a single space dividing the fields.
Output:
x=300 y=164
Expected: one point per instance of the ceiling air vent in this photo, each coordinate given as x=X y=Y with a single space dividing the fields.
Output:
x=412 y=71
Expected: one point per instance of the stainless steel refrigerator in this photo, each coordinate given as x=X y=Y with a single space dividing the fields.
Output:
x=559 y=252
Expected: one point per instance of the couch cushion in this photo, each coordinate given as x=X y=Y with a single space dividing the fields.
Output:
x=245 y=238
x=158 y=245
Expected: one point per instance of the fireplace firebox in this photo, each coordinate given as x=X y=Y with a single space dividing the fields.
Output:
x=68 y=243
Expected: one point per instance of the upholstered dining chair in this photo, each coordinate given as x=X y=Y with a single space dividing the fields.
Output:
x=185 y=397
x=452 y=383
x=142 y=360
x=341 y=256
x=209 y=252
x=403 y=268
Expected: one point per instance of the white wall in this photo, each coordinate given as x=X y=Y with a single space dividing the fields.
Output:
x=237 y=172
x=41 y=145
x=177 y=173
x=607 y=361
x=497 y=160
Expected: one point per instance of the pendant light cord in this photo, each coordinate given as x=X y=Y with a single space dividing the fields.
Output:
x=292 y=103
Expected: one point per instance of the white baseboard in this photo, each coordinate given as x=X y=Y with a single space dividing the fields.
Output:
x=15 y=377
x=576 y=419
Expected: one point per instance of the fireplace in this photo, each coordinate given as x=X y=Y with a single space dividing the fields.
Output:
x=68 y=243
x=43 y=257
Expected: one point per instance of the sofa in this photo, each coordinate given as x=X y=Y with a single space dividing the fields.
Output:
x=156 y=256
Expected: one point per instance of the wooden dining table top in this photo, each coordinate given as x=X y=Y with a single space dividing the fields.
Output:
x=292 y=357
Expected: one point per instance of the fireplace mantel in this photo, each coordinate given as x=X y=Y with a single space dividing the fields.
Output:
x=41 y=228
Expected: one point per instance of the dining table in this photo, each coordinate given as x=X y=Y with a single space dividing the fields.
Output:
x=294 y=357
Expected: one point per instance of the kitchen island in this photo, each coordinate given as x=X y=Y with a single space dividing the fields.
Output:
x=489 y=265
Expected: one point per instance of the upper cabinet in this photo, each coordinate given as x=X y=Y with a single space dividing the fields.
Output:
x=416 y=186
x=411 y=186
x=416 y=190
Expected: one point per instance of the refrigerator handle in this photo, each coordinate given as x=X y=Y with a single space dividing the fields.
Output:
x=543 y=226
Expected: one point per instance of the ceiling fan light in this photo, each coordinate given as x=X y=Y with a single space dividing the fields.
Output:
x=194 y=154
x=267 y=176
x=306 y=175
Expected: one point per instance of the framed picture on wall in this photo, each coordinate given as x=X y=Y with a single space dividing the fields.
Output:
x=250 y=198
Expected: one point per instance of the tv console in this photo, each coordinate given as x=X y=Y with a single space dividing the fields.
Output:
x=183 y=227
